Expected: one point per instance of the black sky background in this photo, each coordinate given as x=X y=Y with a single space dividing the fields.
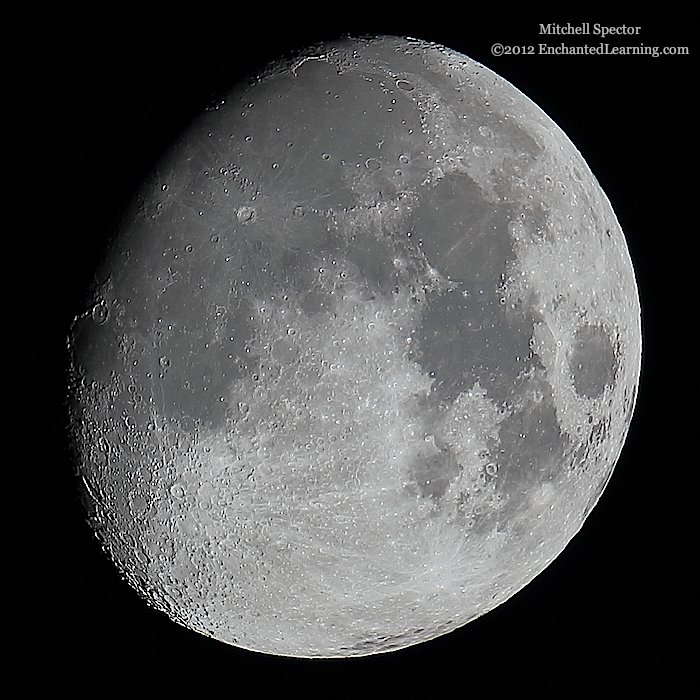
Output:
x=96 y=99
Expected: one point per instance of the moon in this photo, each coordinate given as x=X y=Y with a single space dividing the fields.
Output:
x=360 y=359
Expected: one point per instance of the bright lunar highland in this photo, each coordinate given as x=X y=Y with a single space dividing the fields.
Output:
x=360 y=359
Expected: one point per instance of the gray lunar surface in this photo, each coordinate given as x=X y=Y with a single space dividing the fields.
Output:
x=361 y=359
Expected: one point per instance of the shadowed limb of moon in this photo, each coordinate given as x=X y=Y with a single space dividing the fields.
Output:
x=361 y=359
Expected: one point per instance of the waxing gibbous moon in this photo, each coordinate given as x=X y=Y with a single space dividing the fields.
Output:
x=360 y=359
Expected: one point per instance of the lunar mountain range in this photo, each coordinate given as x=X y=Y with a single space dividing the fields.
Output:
x=361 y=358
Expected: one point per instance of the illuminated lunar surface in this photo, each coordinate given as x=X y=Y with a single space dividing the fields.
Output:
x=360 y=360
